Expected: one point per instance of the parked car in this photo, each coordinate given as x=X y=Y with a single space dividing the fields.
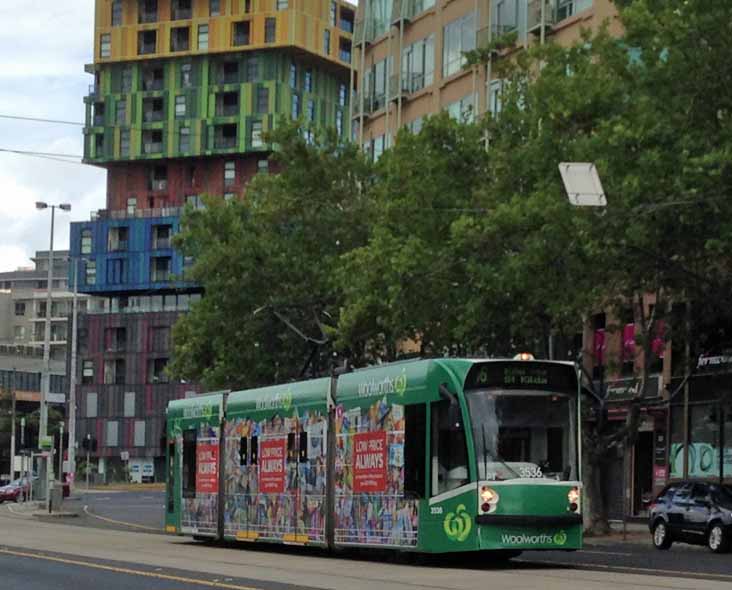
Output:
x=15 y=490
x=693 y=512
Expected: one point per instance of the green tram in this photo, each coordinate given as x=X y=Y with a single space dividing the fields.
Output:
x=432 y=456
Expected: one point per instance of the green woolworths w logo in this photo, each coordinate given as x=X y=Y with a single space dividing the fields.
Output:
x=458 y=524
x=560 y=538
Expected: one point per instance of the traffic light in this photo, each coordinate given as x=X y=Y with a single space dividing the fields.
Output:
x=89 y=444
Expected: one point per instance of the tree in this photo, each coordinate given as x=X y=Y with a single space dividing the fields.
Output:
x=267 y=265
x=406 y=283
x=651 y=111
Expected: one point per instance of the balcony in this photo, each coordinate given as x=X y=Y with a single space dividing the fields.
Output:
x=160 y=275
x=363 y=32
x=152 y=147
x=118 y=246
x=138 y=213
x=534 y=20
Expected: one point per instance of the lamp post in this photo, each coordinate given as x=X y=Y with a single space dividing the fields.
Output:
x=46 y=375
x=72 y=379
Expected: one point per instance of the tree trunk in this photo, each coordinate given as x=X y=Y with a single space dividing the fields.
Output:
x=595 y=509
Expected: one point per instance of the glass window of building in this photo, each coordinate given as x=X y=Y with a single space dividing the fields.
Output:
x=458 y=38
x=270 y=29
x=229 y=173
x=105 y=45
x=126 y=79
x=139 y=433
x=379 y=13
x=90 y=273
x=180 y=106
x=342 y=94
x=295 y=107
x=504 y=16
x=567 y=8
x=86 y=241
x=202 y=37
x=184 y=143
x=186 y=79
x=262 y=99
x=112 y=434
x=307 y=83
x=282 y=4
x=333 y=12
x=129 y=408
x=263 y=166
x=116 y=13
x=214 y=7
x=326 y=41
x=293 y=75
x=256 y=140
x=91 y=405
x=463 y=110
x=418 y=64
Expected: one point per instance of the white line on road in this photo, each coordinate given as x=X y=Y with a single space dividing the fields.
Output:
x=130 y=524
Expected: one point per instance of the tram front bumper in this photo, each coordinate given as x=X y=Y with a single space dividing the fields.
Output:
x=526 y=532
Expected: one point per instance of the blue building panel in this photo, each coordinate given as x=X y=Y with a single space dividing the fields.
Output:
x=127 y=255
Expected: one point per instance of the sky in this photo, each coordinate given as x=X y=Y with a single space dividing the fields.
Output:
x=44 y=45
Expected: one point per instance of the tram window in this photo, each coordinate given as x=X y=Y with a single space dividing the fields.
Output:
x=171 y=476
x=255 y=450
x=449 y=453
x=414 y=449
x=291 y=450
x=303 y=447
x=189 y=463
x=243 y=450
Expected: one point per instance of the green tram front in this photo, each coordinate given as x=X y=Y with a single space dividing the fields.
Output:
x=505 y=463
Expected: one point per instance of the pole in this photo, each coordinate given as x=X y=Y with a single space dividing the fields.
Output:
x=12 y=427
x=72 y=381
x=88 y=444
x=46 y=376
x=61 y=453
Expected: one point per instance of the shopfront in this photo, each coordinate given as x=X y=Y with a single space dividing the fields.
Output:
x=701 y=425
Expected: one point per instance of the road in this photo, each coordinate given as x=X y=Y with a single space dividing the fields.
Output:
x=116 y=555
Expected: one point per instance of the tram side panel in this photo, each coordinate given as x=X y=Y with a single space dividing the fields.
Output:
x=275 y=469
x=371 y=505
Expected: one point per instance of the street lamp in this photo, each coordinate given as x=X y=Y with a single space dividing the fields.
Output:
x=46 y=375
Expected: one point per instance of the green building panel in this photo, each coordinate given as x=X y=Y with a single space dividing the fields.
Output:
x=206 y=105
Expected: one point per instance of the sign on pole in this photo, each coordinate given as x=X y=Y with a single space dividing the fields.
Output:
x=582 y=183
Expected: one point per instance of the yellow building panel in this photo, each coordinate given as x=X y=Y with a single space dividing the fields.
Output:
x=302 y=26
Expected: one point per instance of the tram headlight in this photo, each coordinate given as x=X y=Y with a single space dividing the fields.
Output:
x=573 y=497
x=488 y=499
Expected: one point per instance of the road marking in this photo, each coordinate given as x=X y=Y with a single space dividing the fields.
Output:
x=623 y=569
x=604 y=552
x=20 y=514
x=128 y=571
x=131 y=524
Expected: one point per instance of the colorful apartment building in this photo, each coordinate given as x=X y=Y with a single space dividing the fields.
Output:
x=408 y=56
x=184 y=92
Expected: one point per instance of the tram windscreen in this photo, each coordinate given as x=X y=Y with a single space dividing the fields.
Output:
x=524 y=434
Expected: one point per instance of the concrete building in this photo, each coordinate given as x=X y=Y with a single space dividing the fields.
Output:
x=23 y=303
x=408 y=56
x=183 y=92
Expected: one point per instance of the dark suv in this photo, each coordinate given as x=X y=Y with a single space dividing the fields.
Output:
x=693 y=512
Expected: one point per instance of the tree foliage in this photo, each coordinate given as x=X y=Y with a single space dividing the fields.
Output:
x=267 y=264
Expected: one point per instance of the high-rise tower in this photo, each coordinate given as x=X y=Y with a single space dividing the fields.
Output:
x=183 y=93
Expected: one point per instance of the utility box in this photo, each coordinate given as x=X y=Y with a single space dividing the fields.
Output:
x=57 y=497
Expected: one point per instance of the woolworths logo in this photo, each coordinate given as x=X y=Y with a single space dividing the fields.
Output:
x=387 y=386
x=558 y=539
x=457 y=524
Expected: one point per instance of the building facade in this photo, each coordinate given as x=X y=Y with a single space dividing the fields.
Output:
x=184 y=92
x=23 y=304
x=408 y=56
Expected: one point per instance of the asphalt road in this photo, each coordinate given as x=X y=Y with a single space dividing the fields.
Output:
x=144 y=512
x=45 y=555
x=32 y=570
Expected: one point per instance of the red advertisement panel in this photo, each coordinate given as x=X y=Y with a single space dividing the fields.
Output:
x=207 y=472
x=272 y=456
x=369 y=462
